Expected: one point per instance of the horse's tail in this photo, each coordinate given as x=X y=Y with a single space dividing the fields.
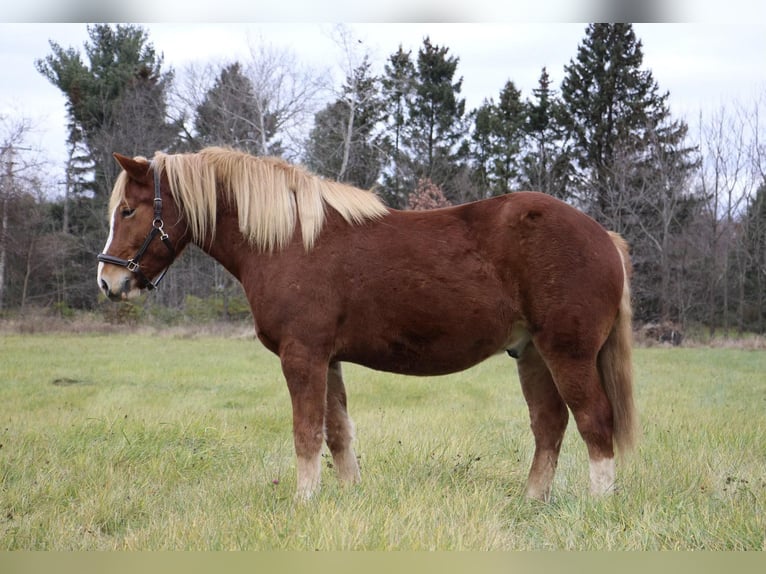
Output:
x=615 y=363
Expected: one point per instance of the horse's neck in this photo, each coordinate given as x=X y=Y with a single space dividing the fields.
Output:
x=229 y=247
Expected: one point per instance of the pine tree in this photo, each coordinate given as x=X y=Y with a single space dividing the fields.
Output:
x=497 y=141
x=546 y=163
x=483 y=148
x=754 y=245
x=117 y=101
x=436 y=126
x=632 y=165
x=398 y=88
x=609 y=101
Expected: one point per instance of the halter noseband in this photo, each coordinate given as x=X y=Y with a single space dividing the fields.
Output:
x=133 y=265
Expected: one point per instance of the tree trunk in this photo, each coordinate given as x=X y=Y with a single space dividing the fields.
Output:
x=27 y=273
x=6 y=191
x=347 y=141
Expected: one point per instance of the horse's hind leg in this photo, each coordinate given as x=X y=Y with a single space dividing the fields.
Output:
x=548 y=415
x=579 y=383
x=339 y=427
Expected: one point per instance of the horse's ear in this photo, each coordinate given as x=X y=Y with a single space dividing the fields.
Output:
x=136 y=168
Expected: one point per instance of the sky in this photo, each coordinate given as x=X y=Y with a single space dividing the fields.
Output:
x=704 y=64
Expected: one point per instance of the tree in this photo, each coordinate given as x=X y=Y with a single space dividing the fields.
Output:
x=629 y=155
x=654 y=206
x=731 y=179
x=610 y=103
x=398 y=88
x=261 y=104
x=482 y=148
x=497 y=141
x=724 y=164
x=227 y=115
x=33 y=250
x=546 y=163
x=13 y=136
x=754 y=244
x=286 y=95
x=436 y=126
x=115 y=101
x=344 y=144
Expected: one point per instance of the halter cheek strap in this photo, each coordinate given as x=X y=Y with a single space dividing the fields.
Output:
x=134 y=264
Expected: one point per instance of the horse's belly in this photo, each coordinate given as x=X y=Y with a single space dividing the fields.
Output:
x=434 y=350
x=428 y=316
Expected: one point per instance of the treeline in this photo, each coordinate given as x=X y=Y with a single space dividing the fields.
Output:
x=692 y=205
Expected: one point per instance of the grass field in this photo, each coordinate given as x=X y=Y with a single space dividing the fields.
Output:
x=158 y=442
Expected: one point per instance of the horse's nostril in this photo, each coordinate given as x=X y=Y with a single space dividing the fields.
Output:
x=105 y=286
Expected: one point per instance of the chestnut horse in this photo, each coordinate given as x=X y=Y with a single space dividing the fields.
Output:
x=332 y=275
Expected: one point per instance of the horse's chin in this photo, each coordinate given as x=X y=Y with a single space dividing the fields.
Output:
x=133 y=294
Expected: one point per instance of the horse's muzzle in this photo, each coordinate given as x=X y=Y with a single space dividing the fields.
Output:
x=118 y=289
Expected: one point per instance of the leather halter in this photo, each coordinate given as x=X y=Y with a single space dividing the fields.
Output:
x=133 y=264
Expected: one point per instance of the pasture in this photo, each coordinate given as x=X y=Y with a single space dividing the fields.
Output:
x=146 y=442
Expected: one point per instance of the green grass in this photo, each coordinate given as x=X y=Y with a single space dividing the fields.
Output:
x=153 y=442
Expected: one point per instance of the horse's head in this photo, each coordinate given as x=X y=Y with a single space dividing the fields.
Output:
x=146 y=231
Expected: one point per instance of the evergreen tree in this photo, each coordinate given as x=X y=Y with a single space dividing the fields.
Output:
x=631 y=162
x=117 y=101
x=436 y=126
x=610 y=101
x=497 y=141
x=754 y=245
x=483 y=147
x=546 y=163
x=397 y=88
x=511 y=115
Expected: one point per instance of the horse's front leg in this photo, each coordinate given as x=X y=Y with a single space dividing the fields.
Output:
x=306 y=377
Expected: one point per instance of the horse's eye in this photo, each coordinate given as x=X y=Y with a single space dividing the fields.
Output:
x=127 y=212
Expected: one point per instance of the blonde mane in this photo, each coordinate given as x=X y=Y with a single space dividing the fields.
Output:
x=269 y=194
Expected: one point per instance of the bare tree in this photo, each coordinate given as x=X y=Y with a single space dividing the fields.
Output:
x=287 y=94
x=725 y=181
x=17 y=167
x=751 y=248
x=354 y=58
x=187 y=95
x=274 y=104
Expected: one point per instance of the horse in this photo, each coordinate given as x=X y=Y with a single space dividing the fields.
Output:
x=332 y=275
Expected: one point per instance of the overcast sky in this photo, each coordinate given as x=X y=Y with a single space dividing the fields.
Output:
x=703 y=65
